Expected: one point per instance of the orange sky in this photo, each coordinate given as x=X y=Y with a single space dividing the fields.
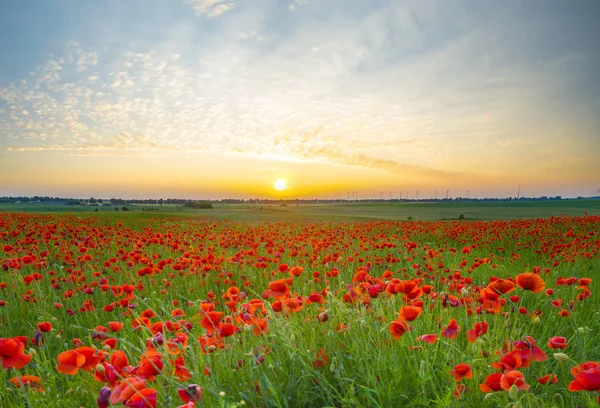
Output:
x=213 y=99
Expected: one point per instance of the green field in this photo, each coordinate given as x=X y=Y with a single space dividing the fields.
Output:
x=338 y=212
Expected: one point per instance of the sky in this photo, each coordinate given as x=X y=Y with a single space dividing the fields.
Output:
x=221 y=98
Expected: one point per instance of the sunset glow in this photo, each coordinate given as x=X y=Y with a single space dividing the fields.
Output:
x=280 y=185
x=213 y=98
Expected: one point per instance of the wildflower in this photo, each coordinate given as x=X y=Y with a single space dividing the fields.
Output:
x=557 y=342
x=461 y=371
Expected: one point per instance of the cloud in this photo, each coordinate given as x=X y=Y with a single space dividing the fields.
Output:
x=395 y=87
x=210 y=8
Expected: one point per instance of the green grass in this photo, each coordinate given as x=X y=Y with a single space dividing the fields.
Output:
x=366 y=367
x=337 y=212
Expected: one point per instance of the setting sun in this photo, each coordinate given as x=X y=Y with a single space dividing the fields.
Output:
x=280 y=185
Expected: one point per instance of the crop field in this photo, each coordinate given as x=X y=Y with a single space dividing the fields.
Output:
x=143 y=309
x=358 y=211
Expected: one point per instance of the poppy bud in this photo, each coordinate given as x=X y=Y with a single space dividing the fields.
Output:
x=464 y=292
x=513 y=391
x=561 y=357
x=103 y=397
x=536 y=320
x=32 y=352
x=100 y=368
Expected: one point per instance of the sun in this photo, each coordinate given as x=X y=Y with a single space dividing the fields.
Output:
x=280 y=185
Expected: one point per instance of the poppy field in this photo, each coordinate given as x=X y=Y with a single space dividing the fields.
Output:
x=131 y=312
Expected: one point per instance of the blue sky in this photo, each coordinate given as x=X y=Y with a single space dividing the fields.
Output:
x=387 y=95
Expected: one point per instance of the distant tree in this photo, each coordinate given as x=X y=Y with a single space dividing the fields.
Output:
x=125 y=208
x=461 y=217
x=198 y=205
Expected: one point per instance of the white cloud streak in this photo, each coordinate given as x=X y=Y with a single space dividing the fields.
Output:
x=350 y=92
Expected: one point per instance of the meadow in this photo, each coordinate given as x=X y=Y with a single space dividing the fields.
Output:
x=308 y=306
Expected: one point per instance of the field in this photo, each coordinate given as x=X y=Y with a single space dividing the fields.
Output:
x=337 y=212
x=308 y=306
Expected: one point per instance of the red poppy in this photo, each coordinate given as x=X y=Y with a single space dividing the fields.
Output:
x=557 y=342
x=513 y=378
x=492 y=383
x=277 y=289
x=145 y=398
x=190 y=393
x=479 y=329
x=69 y=362
x=428 y=338
x=44 y=327
x=548 y=379
x=31 y=381
x=461 y=371
x=531 y=282
x=397 y=328
x=12 y=354
x=587 y=379
x=126 y=388
x=115 y=326
x=451 y=331
x=409 y=313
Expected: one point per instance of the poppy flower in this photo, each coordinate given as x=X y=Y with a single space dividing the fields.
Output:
x=126 y=388
x=31 y=381
x=103 y=399
x=530 y=281
x=428 y=338
x=190 y=393
x=145 y=398
x=211 y=320
x=461 y=371
x=277 y=289
x=557 y=342
x=296 y=271
x=151 y=364
x=513 y=378
x=509 y=362
x=548 y=379
x=181 y=371
x=115 y=326
x=451 y=331
x=588 y=365
x=528 y=350
x=499 y=286
x=409 y=313
x=492 y=383
x=586 y=380
x=44 y=327
x=459 y=390
x=69 y=362
x=226 y=329
x=12 y=354
x=260 y=326
x=321 y=359
x=397 y=328
x=479 y=329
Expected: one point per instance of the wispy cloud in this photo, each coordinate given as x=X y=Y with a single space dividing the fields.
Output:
x=395 y=87
x=210 y=8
